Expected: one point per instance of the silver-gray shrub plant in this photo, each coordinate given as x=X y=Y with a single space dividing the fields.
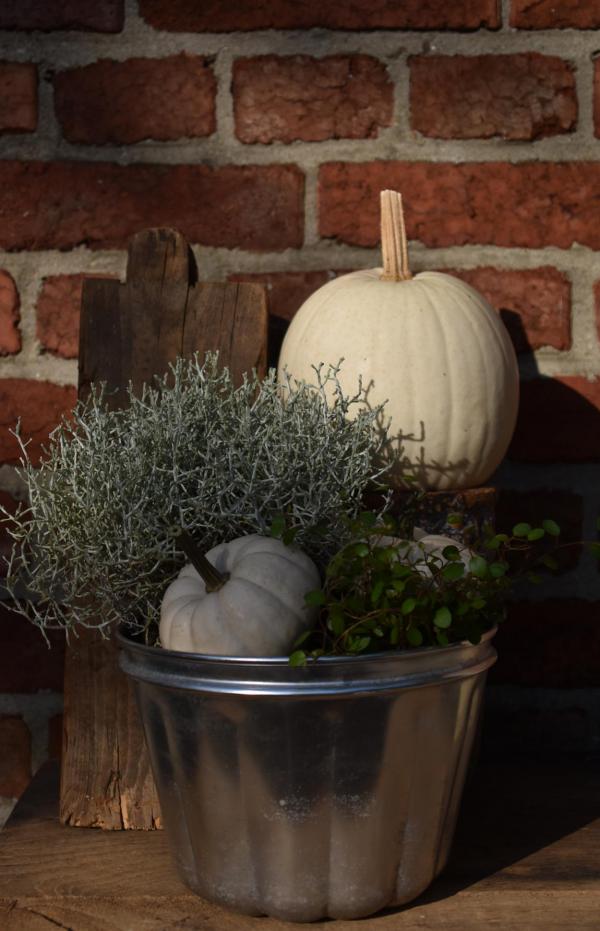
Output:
x=96 y=544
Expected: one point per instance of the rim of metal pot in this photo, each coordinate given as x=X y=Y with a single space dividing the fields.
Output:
x=125 y=638
x=373 y=672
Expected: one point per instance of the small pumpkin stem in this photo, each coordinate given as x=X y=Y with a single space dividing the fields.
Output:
x=212 y=578
x=393 y=238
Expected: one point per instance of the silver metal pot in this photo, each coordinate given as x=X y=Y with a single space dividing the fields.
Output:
x=329 y=790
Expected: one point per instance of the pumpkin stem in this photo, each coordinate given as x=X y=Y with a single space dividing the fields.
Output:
x=212 y=578
x=393 y=238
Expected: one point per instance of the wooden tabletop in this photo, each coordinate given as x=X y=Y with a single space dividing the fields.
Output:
x=526 y=857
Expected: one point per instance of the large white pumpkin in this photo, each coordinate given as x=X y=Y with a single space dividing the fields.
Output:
x=431 y=346
x=252 y=606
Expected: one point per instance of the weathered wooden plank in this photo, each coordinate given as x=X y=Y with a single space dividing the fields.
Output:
x=155 y=297
x=527 y=856
x=131 y=332
x=549 y=910
x=216 y=308
x=85 y=753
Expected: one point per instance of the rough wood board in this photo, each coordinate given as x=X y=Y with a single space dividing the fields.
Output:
x=131 y=332
x=527 y=858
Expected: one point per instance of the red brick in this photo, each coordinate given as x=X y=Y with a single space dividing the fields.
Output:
x=549 y=644
x=531 y=204
x=40 y=666
x=15 y=756
x=555 y=14
x=559 y=420
x=535 y=506
x=534 y=303
x=89 y=15
x=310 y=99
x=59 y=205
x=142 y=98
x=10 y=337
x=39 y=404
x=216 y=16
x=18 y=97
x=55 y=737
x=479 y=96
x=57 y=314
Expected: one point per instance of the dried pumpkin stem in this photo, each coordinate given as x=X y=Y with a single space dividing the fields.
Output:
x=393 y=238
x=212 y=578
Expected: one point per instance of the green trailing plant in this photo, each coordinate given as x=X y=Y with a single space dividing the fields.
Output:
x=383 y=591
x=97 y=542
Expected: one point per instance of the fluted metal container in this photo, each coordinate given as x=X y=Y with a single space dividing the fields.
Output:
x=329 y=790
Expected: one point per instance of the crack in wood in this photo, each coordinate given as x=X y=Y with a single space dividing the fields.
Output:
x=57 y=924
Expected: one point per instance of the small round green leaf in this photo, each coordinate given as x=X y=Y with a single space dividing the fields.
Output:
x=361 y=550
x=498 y=569
x=453 y=572
x=335 y=621
x=478 y=567
x=277 y=526
x=414 y=636
x=408 y=605
x=551 y=528
x=451 y=553
x=521 y=530
x=298 y=658
x=442 y=617
x=536 y=534
x=360 y=644
x=377 y=591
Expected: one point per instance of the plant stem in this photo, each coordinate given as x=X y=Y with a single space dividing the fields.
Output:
x=393 y=238
x=212 y=578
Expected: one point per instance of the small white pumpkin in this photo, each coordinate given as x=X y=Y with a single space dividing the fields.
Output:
x=427 y=544
x=252 y=605
x=430 y=346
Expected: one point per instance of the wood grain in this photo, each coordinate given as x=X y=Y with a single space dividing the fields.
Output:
x=129 y=333
x=526 y=858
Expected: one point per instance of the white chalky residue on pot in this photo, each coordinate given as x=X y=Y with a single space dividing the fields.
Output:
x=293 y=808
x=356 y=806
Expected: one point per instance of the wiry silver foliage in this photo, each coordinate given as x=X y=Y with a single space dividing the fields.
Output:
x=96 y=544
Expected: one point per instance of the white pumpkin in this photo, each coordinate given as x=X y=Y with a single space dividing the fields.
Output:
x=424 y=545
x=431 y=346
x=252 y=606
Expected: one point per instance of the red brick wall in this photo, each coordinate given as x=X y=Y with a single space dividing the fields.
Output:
x=264 y=132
